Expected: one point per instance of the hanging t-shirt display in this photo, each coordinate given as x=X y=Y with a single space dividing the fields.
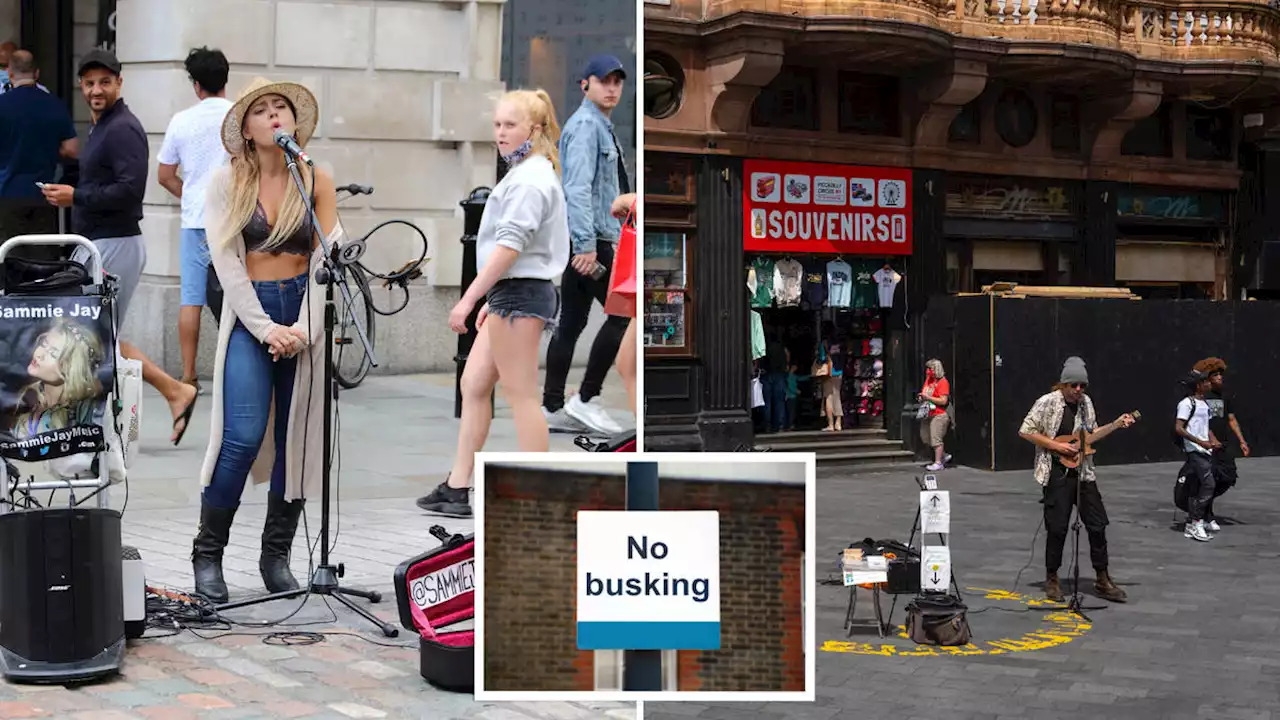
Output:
x=763 y=268
x=839 y=284
x=887 y=280
x=864 y=286
x=787 y=280
x=757 y=336
x=815 y=283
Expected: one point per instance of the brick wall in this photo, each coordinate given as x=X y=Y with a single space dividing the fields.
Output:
x=531 y=570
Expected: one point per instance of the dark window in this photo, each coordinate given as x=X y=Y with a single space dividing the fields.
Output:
x=1151 y=136
x=1064 y=124
x=869 y=104
x=789 y=102
x=1209 y=133
x=967 y=127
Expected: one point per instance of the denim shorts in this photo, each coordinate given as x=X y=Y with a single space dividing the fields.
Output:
x=525 y=297
x=194 y=258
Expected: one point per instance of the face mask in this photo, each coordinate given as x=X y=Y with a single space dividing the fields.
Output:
x=519 y=153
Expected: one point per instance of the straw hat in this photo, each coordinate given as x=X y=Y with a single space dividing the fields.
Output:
x=305 y=108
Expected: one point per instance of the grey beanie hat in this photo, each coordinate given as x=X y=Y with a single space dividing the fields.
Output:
x=1073 y=371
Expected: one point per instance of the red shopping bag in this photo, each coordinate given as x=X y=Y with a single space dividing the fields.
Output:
x=622 y=282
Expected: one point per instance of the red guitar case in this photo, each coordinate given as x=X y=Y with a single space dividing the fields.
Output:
x=434 y=591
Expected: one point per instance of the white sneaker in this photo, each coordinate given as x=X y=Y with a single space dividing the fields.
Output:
x=946 y=459
x=1213 y=526
x=935 y=467
x=559 y=421
x=592 y=415
x=1196 y=531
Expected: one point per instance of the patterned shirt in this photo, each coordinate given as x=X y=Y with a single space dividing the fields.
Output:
x=1045 y=418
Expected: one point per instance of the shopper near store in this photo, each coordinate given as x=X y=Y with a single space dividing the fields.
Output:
x=775 y=365
x=193 y=144
x=594 y=176
x=521 y=248
x=934 y=399
x=832 y=354
x=106 y=207
x=1225 y=427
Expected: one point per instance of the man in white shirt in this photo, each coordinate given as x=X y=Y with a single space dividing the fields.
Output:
x=1192 y=425
x=194 y=143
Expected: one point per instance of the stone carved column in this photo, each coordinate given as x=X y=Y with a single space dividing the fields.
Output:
x=736 y=72
x=1115 y=117
x=944 y=97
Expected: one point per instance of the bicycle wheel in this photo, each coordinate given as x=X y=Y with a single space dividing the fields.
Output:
x=350 y=363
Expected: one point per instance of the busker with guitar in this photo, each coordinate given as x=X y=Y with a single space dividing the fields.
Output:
x=1065 y=469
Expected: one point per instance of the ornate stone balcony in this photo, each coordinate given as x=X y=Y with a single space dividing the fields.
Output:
x=1159 y=30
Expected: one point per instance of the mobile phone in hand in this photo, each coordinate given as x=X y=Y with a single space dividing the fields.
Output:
x=40 y=185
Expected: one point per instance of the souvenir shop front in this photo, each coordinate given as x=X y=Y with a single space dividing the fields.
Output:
x=744 y=257
x=824 y=251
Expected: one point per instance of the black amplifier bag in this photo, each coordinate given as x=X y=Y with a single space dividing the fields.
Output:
x=433 y=592
x=936 y=619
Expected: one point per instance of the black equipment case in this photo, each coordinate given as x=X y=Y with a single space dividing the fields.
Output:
x=434 y=591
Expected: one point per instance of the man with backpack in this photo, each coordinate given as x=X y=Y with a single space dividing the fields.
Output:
x=1225 y=427
x=1198 y=441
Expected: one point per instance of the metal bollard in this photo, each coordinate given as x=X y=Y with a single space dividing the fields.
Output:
x=473 y=210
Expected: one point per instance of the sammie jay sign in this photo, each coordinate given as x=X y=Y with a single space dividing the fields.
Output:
x=810 y=207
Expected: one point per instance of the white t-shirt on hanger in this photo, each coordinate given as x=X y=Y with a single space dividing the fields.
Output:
x=887 y=279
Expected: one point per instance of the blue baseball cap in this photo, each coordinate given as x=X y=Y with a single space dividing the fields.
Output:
x=603 y=66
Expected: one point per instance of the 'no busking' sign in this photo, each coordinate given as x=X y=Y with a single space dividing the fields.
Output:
x=649 y=580
x=813 y=208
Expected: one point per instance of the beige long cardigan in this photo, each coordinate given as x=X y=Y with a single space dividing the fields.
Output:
x=240 y=302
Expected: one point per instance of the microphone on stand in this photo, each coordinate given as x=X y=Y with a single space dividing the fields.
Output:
x=290 y=145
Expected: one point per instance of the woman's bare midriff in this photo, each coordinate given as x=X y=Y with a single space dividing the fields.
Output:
x=267 y=267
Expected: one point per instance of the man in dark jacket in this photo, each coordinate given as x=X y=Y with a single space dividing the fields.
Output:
x=106 y=207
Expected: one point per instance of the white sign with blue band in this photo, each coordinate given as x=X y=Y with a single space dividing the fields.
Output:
x=649 y=580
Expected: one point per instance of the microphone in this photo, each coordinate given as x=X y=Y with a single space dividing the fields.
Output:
x=291 y=147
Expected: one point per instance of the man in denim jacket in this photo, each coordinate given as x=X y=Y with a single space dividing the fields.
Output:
x=594 y=174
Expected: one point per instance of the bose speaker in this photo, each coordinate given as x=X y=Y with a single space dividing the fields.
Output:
x=61 y=595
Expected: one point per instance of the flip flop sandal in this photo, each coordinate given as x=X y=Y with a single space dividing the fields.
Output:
x=185 y=419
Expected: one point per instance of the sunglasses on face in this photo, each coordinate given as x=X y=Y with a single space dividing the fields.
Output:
x=1079 y=386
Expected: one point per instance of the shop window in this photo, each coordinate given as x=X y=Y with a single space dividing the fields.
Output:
x=610 y=665
x=790 y=102
x=1064 y=124
x=869 y=104
x=967 y=127
x=666 y=291
x=1017 y=118
x=1209 y=133
x=1151 y=136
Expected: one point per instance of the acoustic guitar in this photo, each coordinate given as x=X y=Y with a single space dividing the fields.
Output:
x=1073 y=461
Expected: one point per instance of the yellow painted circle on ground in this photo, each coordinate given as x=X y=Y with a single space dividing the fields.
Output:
x=1058 y=627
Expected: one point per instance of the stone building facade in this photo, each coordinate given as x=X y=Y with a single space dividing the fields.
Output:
x=406 y=90
x=530 y=521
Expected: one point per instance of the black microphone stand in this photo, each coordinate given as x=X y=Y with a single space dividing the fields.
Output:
x=324 y=581
x=1076 y=606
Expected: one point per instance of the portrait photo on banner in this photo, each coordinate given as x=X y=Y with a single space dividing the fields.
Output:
x=56 y=371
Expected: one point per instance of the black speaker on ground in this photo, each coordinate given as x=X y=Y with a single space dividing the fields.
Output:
x=61 y=595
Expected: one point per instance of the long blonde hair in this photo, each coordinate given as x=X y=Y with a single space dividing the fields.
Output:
x=539 y=111
x=78 y=364
x=243 y=199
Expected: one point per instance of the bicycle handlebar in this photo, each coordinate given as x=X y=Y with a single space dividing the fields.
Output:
x=354 y=189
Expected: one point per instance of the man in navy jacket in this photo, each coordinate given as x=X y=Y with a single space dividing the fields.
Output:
x=106 y=207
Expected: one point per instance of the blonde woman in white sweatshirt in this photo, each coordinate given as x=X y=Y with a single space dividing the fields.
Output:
x=522 y=246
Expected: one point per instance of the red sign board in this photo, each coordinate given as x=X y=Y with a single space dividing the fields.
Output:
x=815 y=208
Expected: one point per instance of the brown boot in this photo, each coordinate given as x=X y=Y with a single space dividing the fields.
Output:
x=1052 y=589
x=1107 y=589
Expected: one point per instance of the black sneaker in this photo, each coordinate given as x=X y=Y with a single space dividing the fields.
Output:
x=447 y=501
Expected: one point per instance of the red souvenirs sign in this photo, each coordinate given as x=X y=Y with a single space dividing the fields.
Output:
x=814 y=208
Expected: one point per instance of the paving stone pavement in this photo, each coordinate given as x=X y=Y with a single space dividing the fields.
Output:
x=397 y=439
x=1198 y=639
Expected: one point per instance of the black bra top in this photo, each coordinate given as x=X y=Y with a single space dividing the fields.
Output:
x=258 y=230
